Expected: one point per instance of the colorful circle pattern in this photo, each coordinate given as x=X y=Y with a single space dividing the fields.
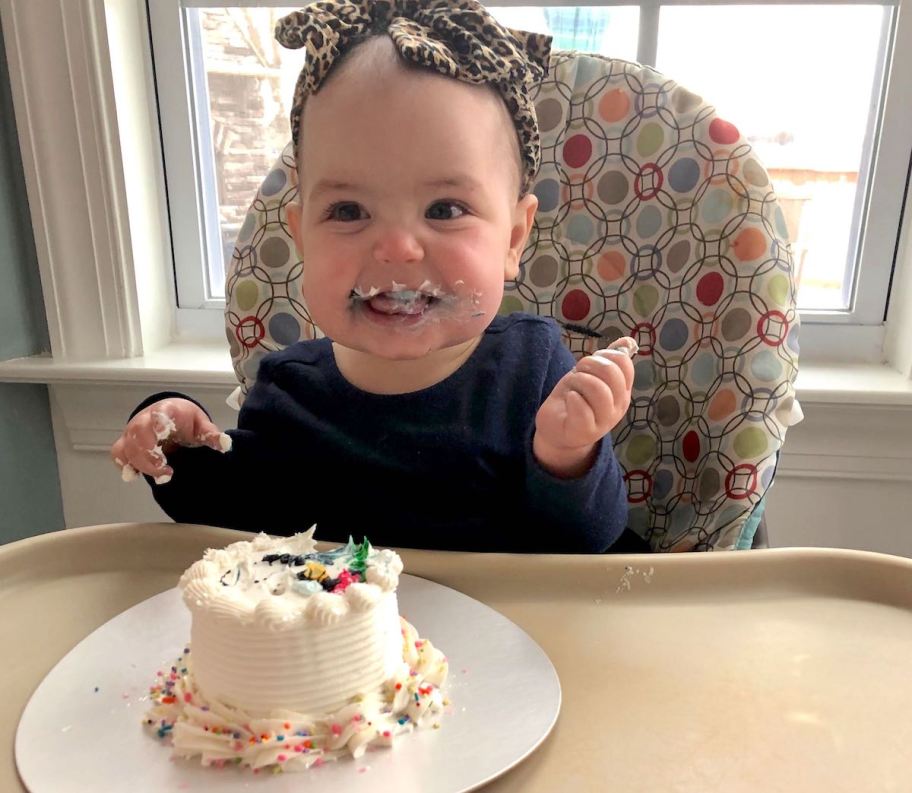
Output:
x=656 y=220
x=264 y=308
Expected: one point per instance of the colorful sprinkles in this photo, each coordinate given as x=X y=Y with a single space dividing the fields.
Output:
x=176 y=701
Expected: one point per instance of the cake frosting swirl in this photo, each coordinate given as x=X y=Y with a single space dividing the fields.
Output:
x=297 y=657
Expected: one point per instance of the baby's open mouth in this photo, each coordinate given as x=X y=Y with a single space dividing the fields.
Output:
x=404 y=302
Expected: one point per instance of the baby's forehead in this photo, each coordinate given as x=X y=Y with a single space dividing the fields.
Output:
x=374 y=74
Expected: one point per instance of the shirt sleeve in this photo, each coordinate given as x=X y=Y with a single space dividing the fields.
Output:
x=586 y=514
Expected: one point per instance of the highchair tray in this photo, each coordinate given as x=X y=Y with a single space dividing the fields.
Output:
x=773 y=670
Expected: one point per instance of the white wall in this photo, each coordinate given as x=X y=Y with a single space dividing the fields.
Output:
x=869 y=516
x=845 y=480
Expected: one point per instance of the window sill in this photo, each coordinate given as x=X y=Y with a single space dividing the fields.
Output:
x=852 y=384
x=209 y=364
x=187 y=364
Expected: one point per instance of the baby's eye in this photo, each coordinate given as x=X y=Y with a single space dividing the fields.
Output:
x=444 y=210
x=345 y=212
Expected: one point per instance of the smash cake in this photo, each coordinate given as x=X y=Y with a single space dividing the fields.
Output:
x=298 y=657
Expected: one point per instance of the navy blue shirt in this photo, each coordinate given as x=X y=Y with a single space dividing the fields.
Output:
x=446 y=467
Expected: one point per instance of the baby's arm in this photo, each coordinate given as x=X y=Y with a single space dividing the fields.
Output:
x=584 y=406
x=577 y=503
x=212 y=478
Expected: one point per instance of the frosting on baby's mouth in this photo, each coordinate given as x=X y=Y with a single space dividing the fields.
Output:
x=399 y=299
x=410 y=308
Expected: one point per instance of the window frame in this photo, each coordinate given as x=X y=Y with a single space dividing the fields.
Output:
x=877 y=213
x=97 y=252
x=188 y=155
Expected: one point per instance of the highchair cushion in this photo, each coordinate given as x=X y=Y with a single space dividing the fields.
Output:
x=655 y=220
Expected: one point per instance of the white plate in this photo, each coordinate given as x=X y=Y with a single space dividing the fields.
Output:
x=82 y=731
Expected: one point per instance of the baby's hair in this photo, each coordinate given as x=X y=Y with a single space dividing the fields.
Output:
x=375 y=55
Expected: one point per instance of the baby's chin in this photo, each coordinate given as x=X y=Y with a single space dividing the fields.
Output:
x=403 y=343
x=402 y=347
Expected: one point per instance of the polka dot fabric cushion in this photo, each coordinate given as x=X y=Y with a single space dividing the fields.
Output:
x=656 y=221
x=264 y=309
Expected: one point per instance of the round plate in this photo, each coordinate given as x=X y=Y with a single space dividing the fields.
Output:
x=82 y=729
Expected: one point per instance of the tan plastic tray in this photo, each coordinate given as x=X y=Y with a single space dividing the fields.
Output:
x=775 y=670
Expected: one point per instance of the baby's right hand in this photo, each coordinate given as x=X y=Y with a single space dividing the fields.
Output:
x=158 y=428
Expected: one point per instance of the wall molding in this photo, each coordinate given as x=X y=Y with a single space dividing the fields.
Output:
x=862 y=469
x=852 y=442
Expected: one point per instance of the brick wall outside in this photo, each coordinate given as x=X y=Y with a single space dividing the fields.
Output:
x=248 y=114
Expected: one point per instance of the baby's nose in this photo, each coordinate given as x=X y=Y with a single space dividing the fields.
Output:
x=397 y=245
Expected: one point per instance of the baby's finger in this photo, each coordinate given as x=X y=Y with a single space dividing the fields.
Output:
x=581 y=422
x=144 y=460
x=171 y=422
x=620 y=359
x=210 y=435
x=185 y=423
x=140 y=449
x=162 y=424
x=139 y=439
x=118 y=456
x=596 y=393
x=610 y=370
x=117 y=453
x=625 y=344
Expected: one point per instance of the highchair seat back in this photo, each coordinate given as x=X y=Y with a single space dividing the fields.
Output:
x=656 y=220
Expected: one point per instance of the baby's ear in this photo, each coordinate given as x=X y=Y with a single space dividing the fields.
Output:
x=523 y=218
x=293 y=219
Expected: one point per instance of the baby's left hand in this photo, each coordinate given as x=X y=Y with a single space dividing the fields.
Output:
x=584 y=406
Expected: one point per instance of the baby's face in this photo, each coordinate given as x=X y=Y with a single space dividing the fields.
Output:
x=409 y=222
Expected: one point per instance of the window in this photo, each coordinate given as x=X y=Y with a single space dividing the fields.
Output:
x=814 y=134
x=224 y=115
x=805 y=84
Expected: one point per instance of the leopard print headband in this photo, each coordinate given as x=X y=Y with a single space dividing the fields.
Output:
x=457 y=38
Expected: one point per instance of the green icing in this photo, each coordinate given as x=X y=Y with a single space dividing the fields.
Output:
x=359 y=560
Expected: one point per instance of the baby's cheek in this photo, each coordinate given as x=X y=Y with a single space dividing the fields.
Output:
x=478 y=300
x=489 y=302
x=479 y=273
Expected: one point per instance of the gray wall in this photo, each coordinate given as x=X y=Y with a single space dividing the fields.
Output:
x=29 y=485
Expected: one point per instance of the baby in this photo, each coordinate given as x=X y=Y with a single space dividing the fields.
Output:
x=423 y=419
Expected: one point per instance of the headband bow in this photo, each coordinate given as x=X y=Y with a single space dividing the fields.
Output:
x=457 y=38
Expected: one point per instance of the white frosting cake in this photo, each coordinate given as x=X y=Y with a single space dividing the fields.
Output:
x=297 y=657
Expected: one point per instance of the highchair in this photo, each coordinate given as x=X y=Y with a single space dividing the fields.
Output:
x=657 y=221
